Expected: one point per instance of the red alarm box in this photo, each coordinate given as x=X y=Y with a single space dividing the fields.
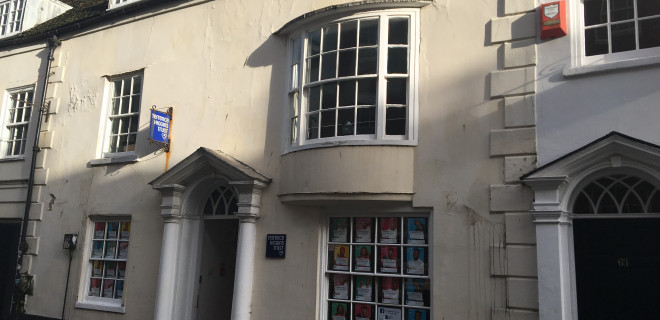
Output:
x=553 y=20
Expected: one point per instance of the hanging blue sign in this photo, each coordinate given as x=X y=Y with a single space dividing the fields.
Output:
x=159 y=126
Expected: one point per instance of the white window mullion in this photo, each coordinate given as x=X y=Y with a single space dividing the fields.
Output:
x=381 y=103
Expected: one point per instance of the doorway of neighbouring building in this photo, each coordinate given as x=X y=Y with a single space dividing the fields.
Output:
x=617 y=268
x=9 y=233
x=216 y=287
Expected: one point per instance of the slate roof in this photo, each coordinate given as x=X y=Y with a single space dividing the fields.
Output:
x=83 y=15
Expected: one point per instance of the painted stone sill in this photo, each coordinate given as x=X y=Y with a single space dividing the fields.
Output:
x=113 y=160
x=108 y=307
x=12 y=159
x=612 y=66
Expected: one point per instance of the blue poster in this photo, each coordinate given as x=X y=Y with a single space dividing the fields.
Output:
x=159 y=126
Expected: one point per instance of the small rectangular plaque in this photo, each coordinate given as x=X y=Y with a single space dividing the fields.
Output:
x=275 y=246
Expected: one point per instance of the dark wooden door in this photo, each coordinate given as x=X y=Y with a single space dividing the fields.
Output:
x=8 y=251
x=617 y=265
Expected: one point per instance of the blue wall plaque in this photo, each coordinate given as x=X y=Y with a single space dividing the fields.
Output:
x=275 y=245
x=159 y=126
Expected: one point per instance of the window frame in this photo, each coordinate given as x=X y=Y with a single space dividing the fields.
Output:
x=113 y=5
x=581 y=63
x=85 y=301
x=4 y=121
x=107 y=116
x=324 y=271
x=7 y=24
x=379 y=137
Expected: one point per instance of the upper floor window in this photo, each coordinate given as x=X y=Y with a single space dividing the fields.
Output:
x=124 y=114
x=354 y=80
x=11 y=16
x=16 y=119
x=623 y=29
x=118 y=3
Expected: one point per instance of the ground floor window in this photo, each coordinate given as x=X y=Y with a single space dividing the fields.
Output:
x=106 y=268
x=377 y=268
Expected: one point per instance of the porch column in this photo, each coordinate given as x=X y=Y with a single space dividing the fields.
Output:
x=249 y=199
x=553 y=249
x=167 y=271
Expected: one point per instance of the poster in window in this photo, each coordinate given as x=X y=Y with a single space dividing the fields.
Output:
x=385 y=313
x=95 y=287
x=108 y=288
x=125 y=232
x=415 y=258
x=364 y=288
x=113 y=227
x=120 y=290
x=339 y=230
x=110 y=249
x=340 y=284
x=99 y=230
x=339 y=257
x=363 y=312
x=389 y=290
x=97 y=249
x=417 y=292
x=123 y=250
x=389 y=230
x=339 y=311
x=417 y=314
x=389 y=259
x=417 y=230
x=121 y=270
x=362 y=258
x=363 y=230
x=110 y=269
x=97 y=268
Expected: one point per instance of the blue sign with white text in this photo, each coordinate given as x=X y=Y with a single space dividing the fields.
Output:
x=159 y=126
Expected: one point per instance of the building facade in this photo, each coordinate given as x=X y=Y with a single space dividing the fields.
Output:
x=326 y=159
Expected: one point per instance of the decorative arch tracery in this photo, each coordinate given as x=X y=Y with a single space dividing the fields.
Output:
x=222 y=201
x=617 y=194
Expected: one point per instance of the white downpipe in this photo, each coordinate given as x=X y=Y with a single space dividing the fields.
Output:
x=167 y=270
x=242 y=300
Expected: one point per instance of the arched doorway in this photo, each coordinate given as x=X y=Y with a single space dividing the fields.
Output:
x=218 y=256
x=616 y=238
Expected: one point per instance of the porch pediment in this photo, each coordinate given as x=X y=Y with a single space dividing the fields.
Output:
x=612 y=150
x=205 y=162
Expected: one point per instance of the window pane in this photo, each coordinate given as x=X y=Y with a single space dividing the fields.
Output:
x=137 y=85
x=368 y=32
x=595 y=41
x=135 y=103
x=347 y=63
x=115 y=106
x=330 y=38
x=123 y=141
x=313 y=70
x=314 y=42
x=622 y=10
x=117 y=89
x=397 y=60
x=313 y=126
x=348 y=35
x=623 y=37
x=367 y=61
x=124 y=105
x=328 y=124
x=595 y=12
x=396 y=121
x=329 y=98
x=347 y=93
x=314 y=98
x=134 y=124
x=131 y=142
x=366 y=120
x=127 y=87
x=346 y=122
x=294 y=77
x=398 y=32
x=396 y=90
x=124 y=125
x=113 y=144
x=115 y=126
x=367 y=89
x=296 y=50
x=646 y=8
x=329 y=65
x=649 y=33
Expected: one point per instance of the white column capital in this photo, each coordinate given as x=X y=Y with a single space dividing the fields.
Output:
x=170 y=207
x=249 y=199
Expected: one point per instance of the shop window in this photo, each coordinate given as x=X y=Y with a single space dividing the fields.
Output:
x=377 y=268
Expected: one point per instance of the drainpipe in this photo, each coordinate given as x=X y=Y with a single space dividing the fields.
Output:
x=53 y=43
